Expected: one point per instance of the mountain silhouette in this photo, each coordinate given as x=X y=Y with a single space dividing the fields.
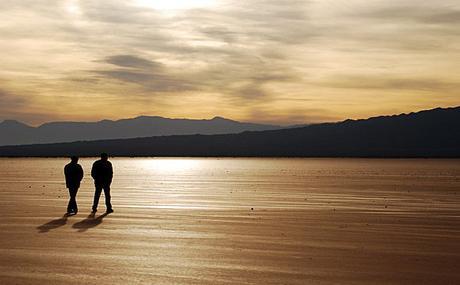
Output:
x=432 y=133
x=16 y=133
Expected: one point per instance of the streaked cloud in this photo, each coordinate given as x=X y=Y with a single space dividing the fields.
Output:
x=260 y=60
x=132 y=62
x=425 y=13
x=383 y=83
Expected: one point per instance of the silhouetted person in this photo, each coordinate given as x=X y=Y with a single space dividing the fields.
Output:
x=73 y=176
x=102 y=174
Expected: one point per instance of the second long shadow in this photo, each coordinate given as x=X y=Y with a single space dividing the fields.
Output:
x=90 y=222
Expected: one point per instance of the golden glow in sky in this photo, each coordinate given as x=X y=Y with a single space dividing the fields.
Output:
x=282 y=62
x=163 y=5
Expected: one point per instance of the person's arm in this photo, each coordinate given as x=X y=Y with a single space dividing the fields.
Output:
x=80 y=173
x=110 y=172
x=66 y=175
x=93 y=171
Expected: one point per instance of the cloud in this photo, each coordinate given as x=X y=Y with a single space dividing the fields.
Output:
x=9 y=101
x=133 y=62
x=407 y=26
x=417 y=12
x=151 y=75
x=243 y=79
x=385 y=82
x=241 y=56
x=292 y=116
x=214 y=50
x=253 y=91
x=15 y=107
x=155 y=82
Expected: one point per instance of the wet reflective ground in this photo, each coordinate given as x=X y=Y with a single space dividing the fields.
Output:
x=234 y=221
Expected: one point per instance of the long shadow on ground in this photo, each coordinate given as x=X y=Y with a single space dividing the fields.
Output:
x=90 y=222
x=53 y=224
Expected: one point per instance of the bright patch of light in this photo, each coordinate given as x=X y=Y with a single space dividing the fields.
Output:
x=170 y=164
x=174 y=4
x=72 y=7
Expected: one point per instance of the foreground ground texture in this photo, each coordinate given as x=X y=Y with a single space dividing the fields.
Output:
x=235 y=221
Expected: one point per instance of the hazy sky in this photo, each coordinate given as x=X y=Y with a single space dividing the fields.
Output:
x=255 y=60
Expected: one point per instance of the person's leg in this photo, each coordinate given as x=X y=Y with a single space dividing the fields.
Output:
x=70 y=204
x=74 y=199
x=108 y=204
x=97 y=195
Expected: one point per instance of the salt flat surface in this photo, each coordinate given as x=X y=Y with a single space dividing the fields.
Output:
x=234 y=221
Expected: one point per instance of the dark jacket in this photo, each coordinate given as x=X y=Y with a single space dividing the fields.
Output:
x=73 y=175
x=102 y=172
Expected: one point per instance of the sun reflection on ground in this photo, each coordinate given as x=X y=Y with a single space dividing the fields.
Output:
x=170 y=164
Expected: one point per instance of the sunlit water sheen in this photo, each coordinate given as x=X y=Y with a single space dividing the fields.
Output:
x=266 y=183
x=234 y=221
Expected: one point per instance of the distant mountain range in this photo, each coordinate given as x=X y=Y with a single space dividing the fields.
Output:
x=432 y=133
x=16 y=133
